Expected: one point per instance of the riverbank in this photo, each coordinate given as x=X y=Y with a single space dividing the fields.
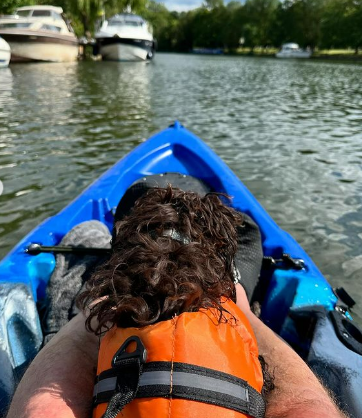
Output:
x=335 y=54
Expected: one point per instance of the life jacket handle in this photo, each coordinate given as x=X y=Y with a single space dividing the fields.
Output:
x=121 y=355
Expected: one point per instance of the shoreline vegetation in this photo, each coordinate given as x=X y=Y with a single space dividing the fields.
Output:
x=332 y=29
x=332 y=54
x=336 y=54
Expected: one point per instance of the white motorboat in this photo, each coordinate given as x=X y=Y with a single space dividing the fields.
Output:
x=39 y=33
x=292 y=50
x=125 y=37
x=4 y=53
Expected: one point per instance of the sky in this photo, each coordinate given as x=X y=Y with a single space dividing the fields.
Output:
x=183 y=5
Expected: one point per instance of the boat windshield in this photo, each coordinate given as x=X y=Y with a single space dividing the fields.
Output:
x=131 y=23
x=124 y=23
x=14 y=25
x=23 y=13
x=52 y=28
x=41 y=13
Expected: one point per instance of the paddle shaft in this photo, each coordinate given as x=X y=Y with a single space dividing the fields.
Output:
x=35 y=249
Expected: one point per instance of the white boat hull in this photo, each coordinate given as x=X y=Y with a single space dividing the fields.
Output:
x=299 y=54
x=123 y=52
x=4 y=53
x=37 y=51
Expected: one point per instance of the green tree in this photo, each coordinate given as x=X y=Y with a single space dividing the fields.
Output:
x=234 y=28
x=164 y=23
x=310 y=14
x=260 y=16
x=213 y=4
x=87 y=12
x=335 y=32
x=209 y=27
x=286 y=27
x=299 y=21
x=9 y=6
x=112 y=7
x=354 y=20
x=185 y=32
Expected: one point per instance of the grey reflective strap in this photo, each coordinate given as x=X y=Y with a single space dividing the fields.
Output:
x=190 y=380
x=105 y=385
x=194 y=381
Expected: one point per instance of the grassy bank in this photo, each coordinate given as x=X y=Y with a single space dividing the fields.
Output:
x=343 y=54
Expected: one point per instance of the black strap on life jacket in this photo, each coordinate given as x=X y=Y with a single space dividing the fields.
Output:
x=126 y=369
x=184 y=381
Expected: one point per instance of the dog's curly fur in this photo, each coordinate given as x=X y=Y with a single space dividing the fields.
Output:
x=151 y=277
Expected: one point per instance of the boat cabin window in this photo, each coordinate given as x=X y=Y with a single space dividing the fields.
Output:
x=52 y=28
x=131 y=23
x=57 y=16
x=41 y=13
x=14 y=25
x=23 y=13
x=124 y=23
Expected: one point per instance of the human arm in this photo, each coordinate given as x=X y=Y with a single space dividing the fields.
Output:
x=60 y=380
x=298 y=393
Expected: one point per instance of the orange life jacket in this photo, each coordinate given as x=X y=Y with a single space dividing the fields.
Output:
x=195 y=367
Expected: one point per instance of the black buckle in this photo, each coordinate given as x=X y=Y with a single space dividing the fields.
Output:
x=285 y=263
x=139 y=353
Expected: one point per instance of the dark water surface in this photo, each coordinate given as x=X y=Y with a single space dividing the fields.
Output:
x=291 y=130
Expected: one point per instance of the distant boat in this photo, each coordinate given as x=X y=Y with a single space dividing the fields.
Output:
x=292 y=50
x=39 y=33
x=125 y=37
x=4 y=53
x=208 y=51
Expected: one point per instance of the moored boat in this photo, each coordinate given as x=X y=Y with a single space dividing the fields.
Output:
x=39 y=33
x=125 y=37
x=4 y=53
x=292 y=50
x=208 y=51
x=295 y=299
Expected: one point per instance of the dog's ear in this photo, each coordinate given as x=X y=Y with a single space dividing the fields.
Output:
x=129 y=199
x=222 y=220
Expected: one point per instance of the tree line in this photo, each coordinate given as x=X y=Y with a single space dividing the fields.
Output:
x=325 y=24
x=256 y=23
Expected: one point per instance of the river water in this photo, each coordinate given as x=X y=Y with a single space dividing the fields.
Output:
x=291 y=130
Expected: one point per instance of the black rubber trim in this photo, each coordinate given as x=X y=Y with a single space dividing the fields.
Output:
x=140 y=43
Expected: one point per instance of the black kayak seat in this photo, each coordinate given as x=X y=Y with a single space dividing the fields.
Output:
x=141 y=186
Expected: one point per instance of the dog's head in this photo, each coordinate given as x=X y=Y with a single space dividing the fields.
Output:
x=172 y=253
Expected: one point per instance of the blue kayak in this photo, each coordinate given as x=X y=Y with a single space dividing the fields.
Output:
x=297 y=301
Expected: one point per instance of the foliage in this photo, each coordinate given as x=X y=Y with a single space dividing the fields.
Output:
x=260 y=17
x=8 y=6
x=342 y=24
x=253 y=23
x=213 y=4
